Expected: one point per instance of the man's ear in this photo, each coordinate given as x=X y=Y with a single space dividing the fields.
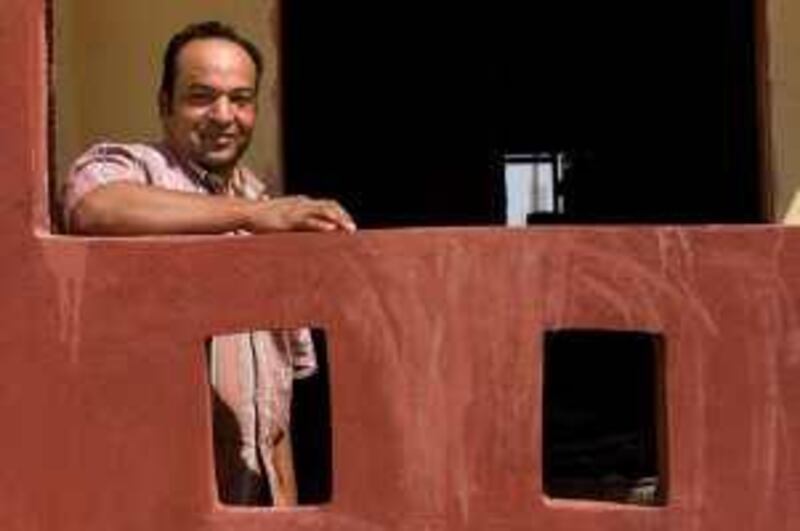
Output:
x=163 y=104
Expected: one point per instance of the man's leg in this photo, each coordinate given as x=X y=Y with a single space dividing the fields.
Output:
x=279 y=463
x=274 y=378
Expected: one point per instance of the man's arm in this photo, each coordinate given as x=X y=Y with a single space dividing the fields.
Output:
x=128 y=208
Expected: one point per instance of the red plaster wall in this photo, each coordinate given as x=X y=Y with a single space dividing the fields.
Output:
x=435 y=340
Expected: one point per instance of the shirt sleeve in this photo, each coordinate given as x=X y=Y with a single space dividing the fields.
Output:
x=101 y=164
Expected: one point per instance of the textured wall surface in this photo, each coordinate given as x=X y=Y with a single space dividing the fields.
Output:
x=435 y=349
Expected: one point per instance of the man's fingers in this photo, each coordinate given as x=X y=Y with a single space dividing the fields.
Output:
x=318 y=224
x=302 y=213
x=336 y=213
x=328 y=211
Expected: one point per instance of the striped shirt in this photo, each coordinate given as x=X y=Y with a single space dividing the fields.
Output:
x=251 y=372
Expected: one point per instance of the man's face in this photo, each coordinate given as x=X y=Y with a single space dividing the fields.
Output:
x=213 y=110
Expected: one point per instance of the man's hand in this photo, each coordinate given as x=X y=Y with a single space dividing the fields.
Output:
x=298 y=213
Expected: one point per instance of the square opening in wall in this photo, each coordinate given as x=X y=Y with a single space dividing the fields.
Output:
x=271 y=417
x=604 y=414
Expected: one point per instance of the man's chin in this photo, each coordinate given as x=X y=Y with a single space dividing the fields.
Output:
x=219 y=162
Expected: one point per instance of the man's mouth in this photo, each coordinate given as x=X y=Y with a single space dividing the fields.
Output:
x=221 y=141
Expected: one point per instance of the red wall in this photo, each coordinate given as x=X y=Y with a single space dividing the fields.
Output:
x=435 y=340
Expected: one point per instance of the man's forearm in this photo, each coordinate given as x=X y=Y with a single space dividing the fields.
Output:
x=121 y=208
x=134 y=209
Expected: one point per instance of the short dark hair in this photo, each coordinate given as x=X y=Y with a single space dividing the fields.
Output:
x=210 y=29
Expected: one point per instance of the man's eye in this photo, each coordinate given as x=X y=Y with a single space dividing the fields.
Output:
x=242 y=99
x=201 y=98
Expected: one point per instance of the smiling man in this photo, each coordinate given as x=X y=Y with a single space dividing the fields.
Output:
x=192 y=182
x=207 y=104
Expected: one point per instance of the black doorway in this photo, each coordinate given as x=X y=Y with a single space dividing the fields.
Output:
x=403 y=111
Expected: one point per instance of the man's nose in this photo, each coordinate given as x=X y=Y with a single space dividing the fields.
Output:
x=222 y=110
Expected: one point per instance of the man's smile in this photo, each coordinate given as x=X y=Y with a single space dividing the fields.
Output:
x=220 y=140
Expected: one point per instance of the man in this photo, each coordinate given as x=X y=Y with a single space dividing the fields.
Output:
x=192 y=182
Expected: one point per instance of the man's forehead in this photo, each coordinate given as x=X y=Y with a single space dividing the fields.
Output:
x=215 y=56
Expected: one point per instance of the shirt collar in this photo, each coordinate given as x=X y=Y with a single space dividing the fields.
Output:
x=214 y=183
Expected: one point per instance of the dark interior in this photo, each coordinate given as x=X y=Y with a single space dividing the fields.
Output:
x=403 y=111
x=603 y=416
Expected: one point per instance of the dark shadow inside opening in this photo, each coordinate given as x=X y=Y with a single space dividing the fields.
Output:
x=604 y=416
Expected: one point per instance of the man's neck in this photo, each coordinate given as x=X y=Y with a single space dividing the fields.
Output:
x=216 y=181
